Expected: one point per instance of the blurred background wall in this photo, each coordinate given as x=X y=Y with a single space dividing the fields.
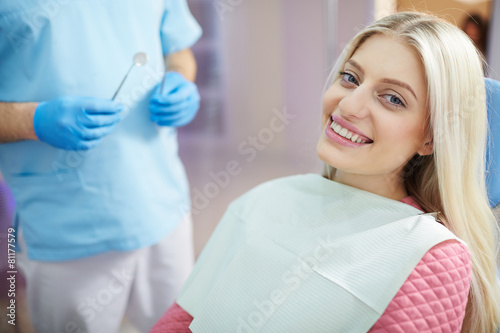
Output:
x=272 y=61
x=493 y=50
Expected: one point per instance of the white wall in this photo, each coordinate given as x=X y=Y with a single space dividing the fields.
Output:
x=354 y=16
x=305 y=72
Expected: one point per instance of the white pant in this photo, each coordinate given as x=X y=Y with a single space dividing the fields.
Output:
x=94 y=294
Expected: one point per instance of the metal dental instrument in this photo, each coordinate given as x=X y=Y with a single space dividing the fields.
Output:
x=140 y=58
x=162 y=83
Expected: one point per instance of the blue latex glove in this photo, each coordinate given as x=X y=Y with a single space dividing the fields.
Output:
x=75 y=123
x=178 y=104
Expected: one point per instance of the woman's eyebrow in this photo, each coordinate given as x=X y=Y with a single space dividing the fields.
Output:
x=390 y=81
x=401 y=84
x=355 y=64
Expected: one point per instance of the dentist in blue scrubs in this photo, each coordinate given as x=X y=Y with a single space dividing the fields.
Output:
x=102 y=202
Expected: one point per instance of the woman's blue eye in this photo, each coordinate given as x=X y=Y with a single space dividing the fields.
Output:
x=344 y=76
x=393 y=99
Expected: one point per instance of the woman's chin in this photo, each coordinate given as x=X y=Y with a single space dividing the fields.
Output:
x=327 y=152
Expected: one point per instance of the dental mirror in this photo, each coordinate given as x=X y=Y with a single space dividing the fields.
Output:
x=140 y=58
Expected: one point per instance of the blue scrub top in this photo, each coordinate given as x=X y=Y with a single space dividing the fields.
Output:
x=131 y=190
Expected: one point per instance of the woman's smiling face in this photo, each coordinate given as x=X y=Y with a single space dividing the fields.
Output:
x=375 y=117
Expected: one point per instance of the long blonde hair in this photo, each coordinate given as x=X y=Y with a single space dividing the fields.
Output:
x=451 y=181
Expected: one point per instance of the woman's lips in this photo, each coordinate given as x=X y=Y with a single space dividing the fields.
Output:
x=337 y=137
x=350 y=128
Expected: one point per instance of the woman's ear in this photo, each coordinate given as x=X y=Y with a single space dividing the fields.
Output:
x=427 y=148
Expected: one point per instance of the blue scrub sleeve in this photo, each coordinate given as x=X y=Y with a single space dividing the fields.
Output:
x=179 y=29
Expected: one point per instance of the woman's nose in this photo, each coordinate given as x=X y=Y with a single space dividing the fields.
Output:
x=356 y=103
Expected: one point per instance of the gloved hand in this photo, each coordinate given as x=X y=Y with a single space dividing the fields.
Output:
x=75 y=123
x=178 y=103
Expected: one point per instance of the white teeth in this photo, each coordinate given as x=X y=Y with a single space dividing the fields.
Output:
x=344 y=132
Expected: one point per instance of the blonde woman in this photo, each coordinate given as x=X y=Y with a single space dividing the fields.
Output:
x=404 y=123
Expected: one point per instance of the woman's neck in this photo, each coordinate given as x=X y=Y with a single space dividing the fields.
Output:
x=389 y=186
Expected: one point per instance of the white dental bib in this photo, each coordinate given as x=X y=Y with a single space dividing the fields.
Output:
x=306 y=254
